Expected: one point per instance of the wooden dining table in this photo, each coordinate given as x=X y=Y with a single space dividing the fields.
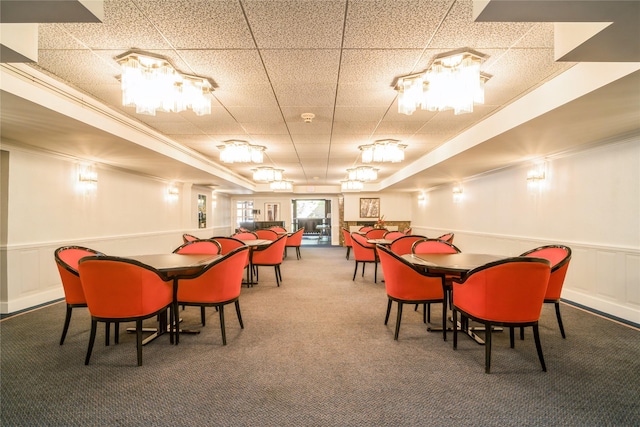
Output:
x=254 y=244
x=173 y=267
x=457 y=264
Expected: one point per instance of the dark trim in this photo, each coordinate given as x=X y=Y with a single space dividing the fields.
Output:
x=602 y=314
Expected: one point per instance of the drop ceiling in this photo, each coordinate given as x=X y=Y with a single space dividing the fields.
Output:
x=272 y=61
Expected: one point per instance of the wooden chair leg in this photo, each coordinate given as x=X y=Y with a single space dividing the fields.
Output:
x=398 y=320
x=139 y=341
x=92 y=338
x=536 y=337
x=511 y=339
x=386 y=318
x=67 y=320
x=455 y=328
x=557 y=304
x=239 y=314
x=355 y=271
x=444 y=319
x=487 y=345
x=202 y=316
x=107 y=333
x=224 y=335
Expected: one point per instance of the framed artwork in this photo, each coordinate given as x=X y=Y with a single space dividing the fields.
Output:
x=369 y=208
x=272 y=211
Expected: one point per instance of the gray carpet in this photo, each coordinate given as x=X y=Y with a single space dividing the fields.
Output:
x=315 y=352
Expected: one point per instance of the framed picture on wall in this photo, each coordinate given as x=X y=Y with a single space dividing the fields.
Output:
x=369 y=208
x=272 y=211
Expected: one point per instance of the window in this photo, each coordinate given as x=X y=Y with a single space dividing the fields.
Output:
x=244 y=211
x=310 y=208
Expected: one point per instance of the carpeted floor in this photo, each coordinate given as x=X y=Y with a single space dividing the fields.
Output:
x=316 y=352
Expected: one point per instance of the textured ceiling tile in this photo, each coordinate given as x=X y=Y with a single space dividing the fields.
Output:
x=124 y=27
x=256 y=114
x=393 y=23
x=227 y=68
x=459 y=30
x=296 y=24
x=54 y=36
x=302 y=66
x=245 y=95
x=199 y=24
x=305 y=95
x=264 y=129
x=379 y=67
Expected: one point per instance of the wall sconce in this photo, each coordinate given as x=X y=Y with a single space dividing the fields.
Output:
x=87 y=177
x=173 y=192
x=537 y=175
x=457 y=193
x=422 y=199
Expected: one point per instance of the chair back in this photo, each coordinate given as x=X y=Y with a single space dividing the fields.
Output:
x=405 y=282
x=362 y=251
x=245 y=235
x=121 y=288
x=365 y=228
x=67 y=258
x=510 y=290
x=204 y=246
x=188 y=238
x=407 y=231
x=219 y=281
x=403 y=245
x=376 y=233
x=433 y=246
x=227 y=244
x=447 y=237
x=270 y=255
x=393 y=235
x=266 y=234
x=559 y=257
x=278 y=229
x=295 y=239
x=347 y=238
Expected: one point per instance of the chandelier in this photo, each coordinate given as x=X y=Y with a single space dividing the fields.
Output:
x=267 y=174
x=234 y=151
x=452 y=81
x=281 y=185
x=384 y=150
x=363 y=173
x=352 y=184
x=152 y=84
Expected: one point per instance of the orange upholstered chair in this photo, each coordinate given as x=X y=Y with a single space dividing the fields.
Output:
x=407 y=231
x=204 y=246
x=365 y=228
x=376 y=233
x=364 y=253
x=294 y=240
x=123 y=290
x=403 y=245
x=393 y=235
x=447 y=237
x=227 y=244
x=435 y=246
x=347 y=240
x=508 y=292
x=270 y=256
x=245 y=235
x=266 y=234
x=559 y=257
x=67 y=258
x=278 y=229
x=188 y=238
x=406 y=284
x=217 y=285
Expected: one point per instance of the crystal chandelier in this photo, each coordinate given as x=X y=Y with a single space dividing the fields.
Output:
x=352 y=185
x=384 y=150
x=152 y=84
x=281 y=185
x=452 y=81
x=234 y=151
x=363 y=173
x=267 y=174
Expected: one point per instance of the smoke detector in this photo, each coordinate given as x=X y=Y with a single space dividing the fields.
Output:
x=308 y=117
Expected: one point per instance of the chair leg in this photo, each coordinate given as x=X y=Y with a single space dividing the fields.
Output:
x=364 y=264
x=116 y=332
x=386 y=318
x=487 y=348
x=521 y=333
x=92 y=338
x=427 y=308
x=277 y=275
x=375 y=272
x=511 y=340
x=224 y=335
x=557 y=304
x=239 y=314
x=398 y=320
x=444 y=318
x=348 y=251
x=139 y=341
x=536 y=337
x=107 y=333
x=67 y=320
x=355 y=271
x=170 y=325
x=455 y=328
x=298 y=252
x=202 y=317
x=176 y=321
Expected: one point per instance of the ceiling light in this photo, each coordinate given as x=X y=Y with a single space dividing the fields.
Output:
x=152 y=84
x=234 y=151
x=363 y=173
x=307 y=117
x=384 y=150
x=452 y=81
x=352 y=185
x=267 y=174
x=282 y=185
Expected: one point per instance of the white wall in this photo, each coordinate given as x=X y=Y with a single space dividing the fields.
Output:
x=590 y=202
x=127 y=214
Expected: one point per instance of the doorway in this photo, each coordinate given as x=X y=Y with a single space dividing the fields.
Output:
x=315 y=216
